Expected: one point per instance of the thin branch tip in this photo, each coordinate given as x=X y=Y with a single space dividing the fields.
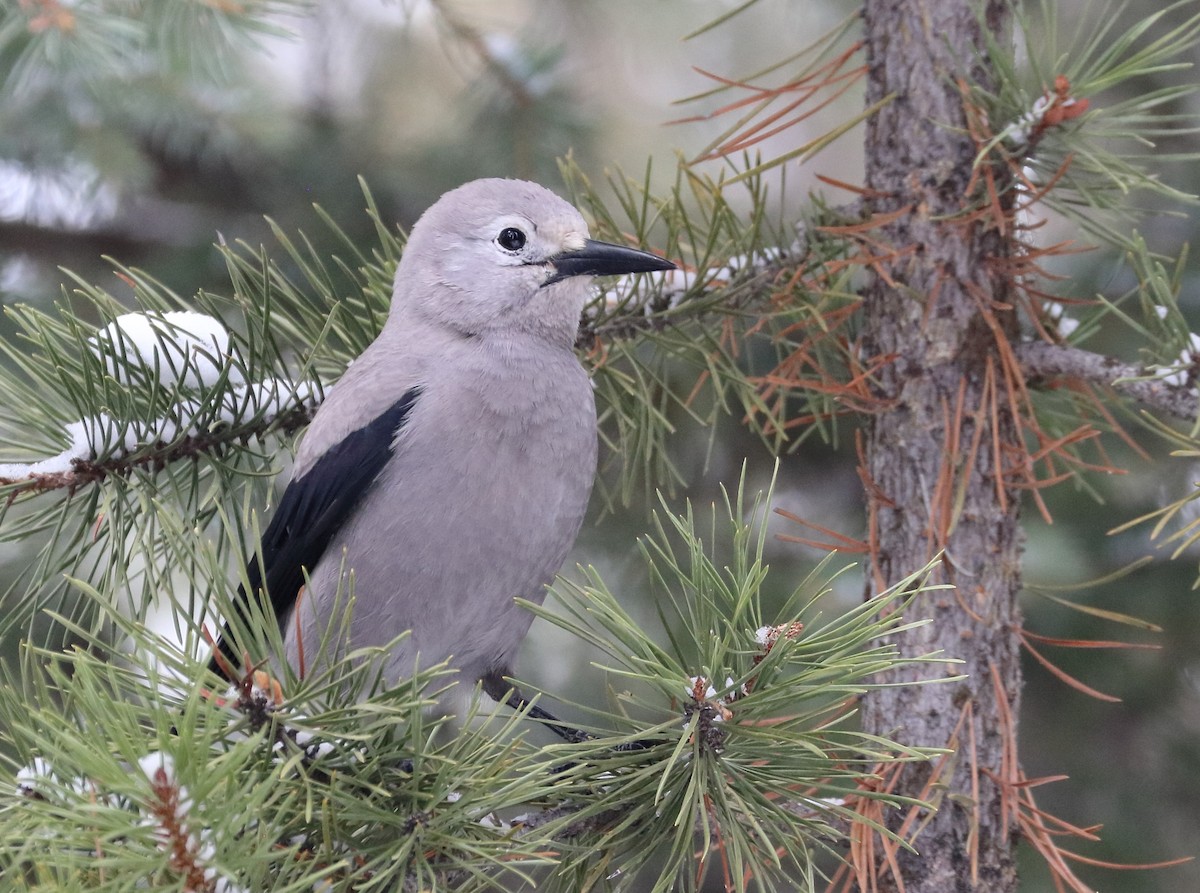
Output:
x=1043 y=361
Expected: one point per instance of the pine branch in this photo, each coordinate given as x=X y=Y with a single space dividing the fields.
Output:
x=745 y=749
x=736 y=286
x=493 y=60
x=1043 y=361
x=94 y=471
x=604 y=821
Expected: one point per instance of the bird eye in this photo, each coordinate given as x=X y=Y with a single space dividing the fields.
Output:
x=511 y=239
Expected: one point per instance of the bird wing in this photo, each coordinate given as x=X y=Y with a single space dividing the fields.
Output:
x=313 y=509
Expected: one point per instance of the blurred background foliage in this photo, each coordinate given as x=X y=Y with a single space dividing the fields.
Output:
x=148 y=148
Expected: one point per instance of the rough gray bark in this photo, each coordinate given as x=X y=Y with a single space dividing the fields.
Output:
x=935 y=449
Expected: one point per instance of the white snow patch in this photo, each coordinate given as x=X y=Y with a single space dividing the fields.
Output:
x=178 y=347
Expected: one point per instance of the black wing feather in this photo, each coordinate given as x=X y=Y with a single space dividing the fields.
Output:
x=313 y=509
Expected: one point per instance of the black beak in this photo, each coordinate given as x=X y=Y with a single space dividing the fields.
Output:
x=602 y=259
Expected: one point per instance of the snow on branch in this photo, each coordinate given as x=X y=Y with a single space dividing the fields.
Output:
x=1164 y=394
x=188 y=355
x=1051 y=109
x=671 y=286
x=645 y=302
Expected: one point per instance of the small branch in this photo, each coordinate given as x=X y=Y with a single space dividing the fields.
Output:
x=741 y=284
x=88 y=471
x=592 y=824
x=601 y=821
x=503 y=69
x=1040 y=360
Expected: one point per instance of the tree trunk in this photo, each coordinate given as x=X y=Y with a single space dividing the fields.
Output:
x=938 y=447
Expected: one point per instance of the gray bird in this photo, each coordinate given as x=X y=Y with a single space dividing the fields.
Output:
x=448 y=471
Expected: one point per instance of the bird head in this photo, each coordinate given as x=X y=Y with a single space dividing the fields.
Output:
x=506 y=255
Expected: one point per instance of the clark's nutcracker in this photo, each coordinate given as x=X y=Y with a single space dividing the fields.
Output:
x=448 y=471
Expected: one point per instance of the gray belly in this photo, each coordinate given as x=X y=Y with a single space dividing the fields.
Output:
x=453 y=531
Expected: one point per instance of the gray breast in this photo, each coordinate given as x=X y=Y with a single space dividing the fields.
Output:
x=480 y=504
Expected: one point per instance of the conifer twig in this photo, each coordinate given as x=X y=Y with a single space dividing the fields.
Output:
x=90 y=471
x=1047 y=361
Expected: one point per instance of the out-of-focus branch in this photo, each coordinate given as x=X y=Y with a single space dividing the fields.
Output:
x=500 y=68
x=1047 y=361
